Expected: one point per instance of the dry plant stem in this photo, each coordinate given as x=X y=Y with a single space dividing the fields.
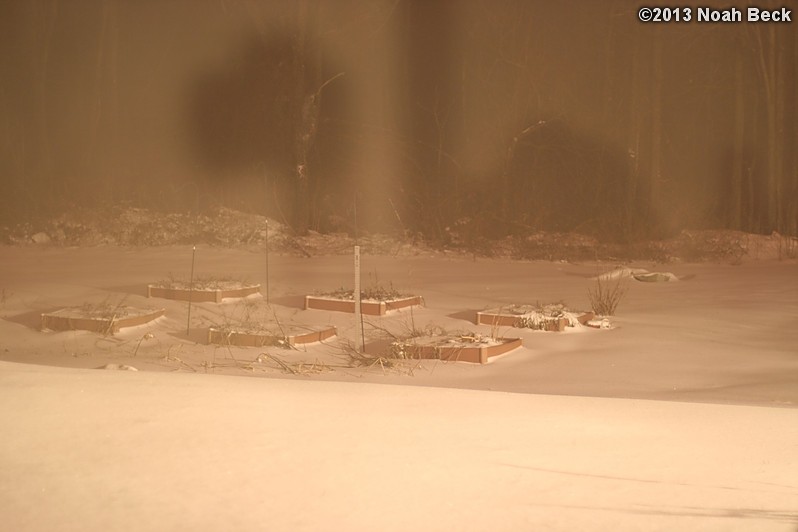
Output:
x=280 y=326
x=494 y=326
x=110 y=329
x=380 y=328
x=146 y=336
x=357 y=359
x=606 y=296
x=230 y=351
x=171 y=358
x=282 y=364
x=138 y=344
x=186 y=365
x=105 y=312
x=295 y=369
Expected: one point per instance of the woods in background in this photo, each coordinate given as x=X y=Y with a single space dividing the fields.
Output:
x=427 y=117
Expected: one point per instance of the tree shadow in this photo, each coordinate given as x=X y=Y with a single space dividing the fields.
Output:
x=467 y=315
x=297 y=302
x=242 y=113
x=132 y=289
x=197 y=335
x=32 y=319
x=564 y=180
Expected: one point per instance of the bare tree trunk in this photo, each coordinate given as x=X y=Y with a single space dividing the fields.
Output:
x=307 y=93
x=768 y=57
x=792 y=135
x=48 y=18
x=775 y=131
x=753 y=217
x=105 y=100
x=782 y=71
x=735 y=201
x=655 y=184
x=633 y=142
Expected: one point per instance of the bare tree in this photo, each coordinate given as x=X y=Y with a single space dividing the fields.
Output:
x=770 y=45
x=735 y=207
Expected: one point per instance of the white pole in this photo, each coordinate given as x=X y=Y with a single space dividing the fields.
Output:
x=267 y=262
x=191 y=290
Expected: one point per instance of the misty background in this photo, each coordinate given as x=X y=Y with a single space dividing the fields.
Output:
x=413 y=116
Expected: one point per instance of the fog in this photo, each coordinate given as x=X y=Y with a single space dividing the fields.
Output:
x=401 y=115
x=537 y=160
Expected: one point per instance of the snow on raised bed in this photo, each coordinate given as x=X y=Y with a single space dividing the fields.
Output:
x=98 y=318
x=553 y=317
x=455 y=348
x=374 y=301
x=277 y=338
x=202 y=289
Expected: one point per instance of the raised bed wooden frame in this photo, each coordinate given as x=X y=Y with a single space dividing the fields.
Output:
x=369 y=308
x=477 y=354
x=61 y=320
x=201 y=296
x=244 y=339
x=496 y=318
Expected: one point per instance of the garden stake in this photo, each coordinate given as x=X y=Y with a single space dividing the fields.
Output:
x=267 y=262
x=191 y=289
x=358 y=313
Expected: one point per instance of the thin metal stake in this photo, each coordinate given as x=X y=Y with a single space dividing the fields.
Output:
x=267 y=262
x=358 y=312
x=191 y=290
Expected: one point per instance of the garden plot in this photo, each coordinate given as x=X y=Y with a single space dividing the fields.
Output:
x=471 y=347
x=256 y=324
x=203 y=289
x=104 y=318
x=374 y=301
x=737 y=319
x=269 y=336
x=553 y=317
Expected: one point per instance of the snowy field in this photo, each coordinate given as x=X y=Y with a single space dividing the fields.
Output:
x=684 y=415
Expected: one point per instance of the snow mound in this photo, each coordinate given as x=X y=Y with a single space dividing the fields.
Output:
x=638 y=274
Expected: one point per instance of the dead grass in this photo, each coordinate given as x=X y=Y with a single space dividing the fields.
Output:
x=293 y=368
x=106 y=310
x=203 y=282
x=392 y=360
x=788 y=247
x=395 y=356
x=377 y=292
x=253 y=317
x=606 y=295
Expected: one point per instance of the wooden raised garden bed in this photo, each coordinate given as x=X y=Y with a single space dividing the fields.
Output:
x=367 y=307
x=200 y=295
x=105 y=321
x=546 y=318
x=475 y=349
x=267 y=338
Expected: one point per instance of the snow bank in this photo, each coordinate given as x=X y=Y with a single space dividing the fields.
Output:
x=117 y=450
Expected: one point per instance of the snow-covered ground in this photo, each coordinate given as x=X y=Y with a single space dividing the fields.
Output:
x=683 y=416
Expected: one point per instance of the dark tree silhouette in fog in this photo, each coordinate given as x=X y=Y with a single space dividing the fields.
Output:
x=502 y=118
x=263 y=108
